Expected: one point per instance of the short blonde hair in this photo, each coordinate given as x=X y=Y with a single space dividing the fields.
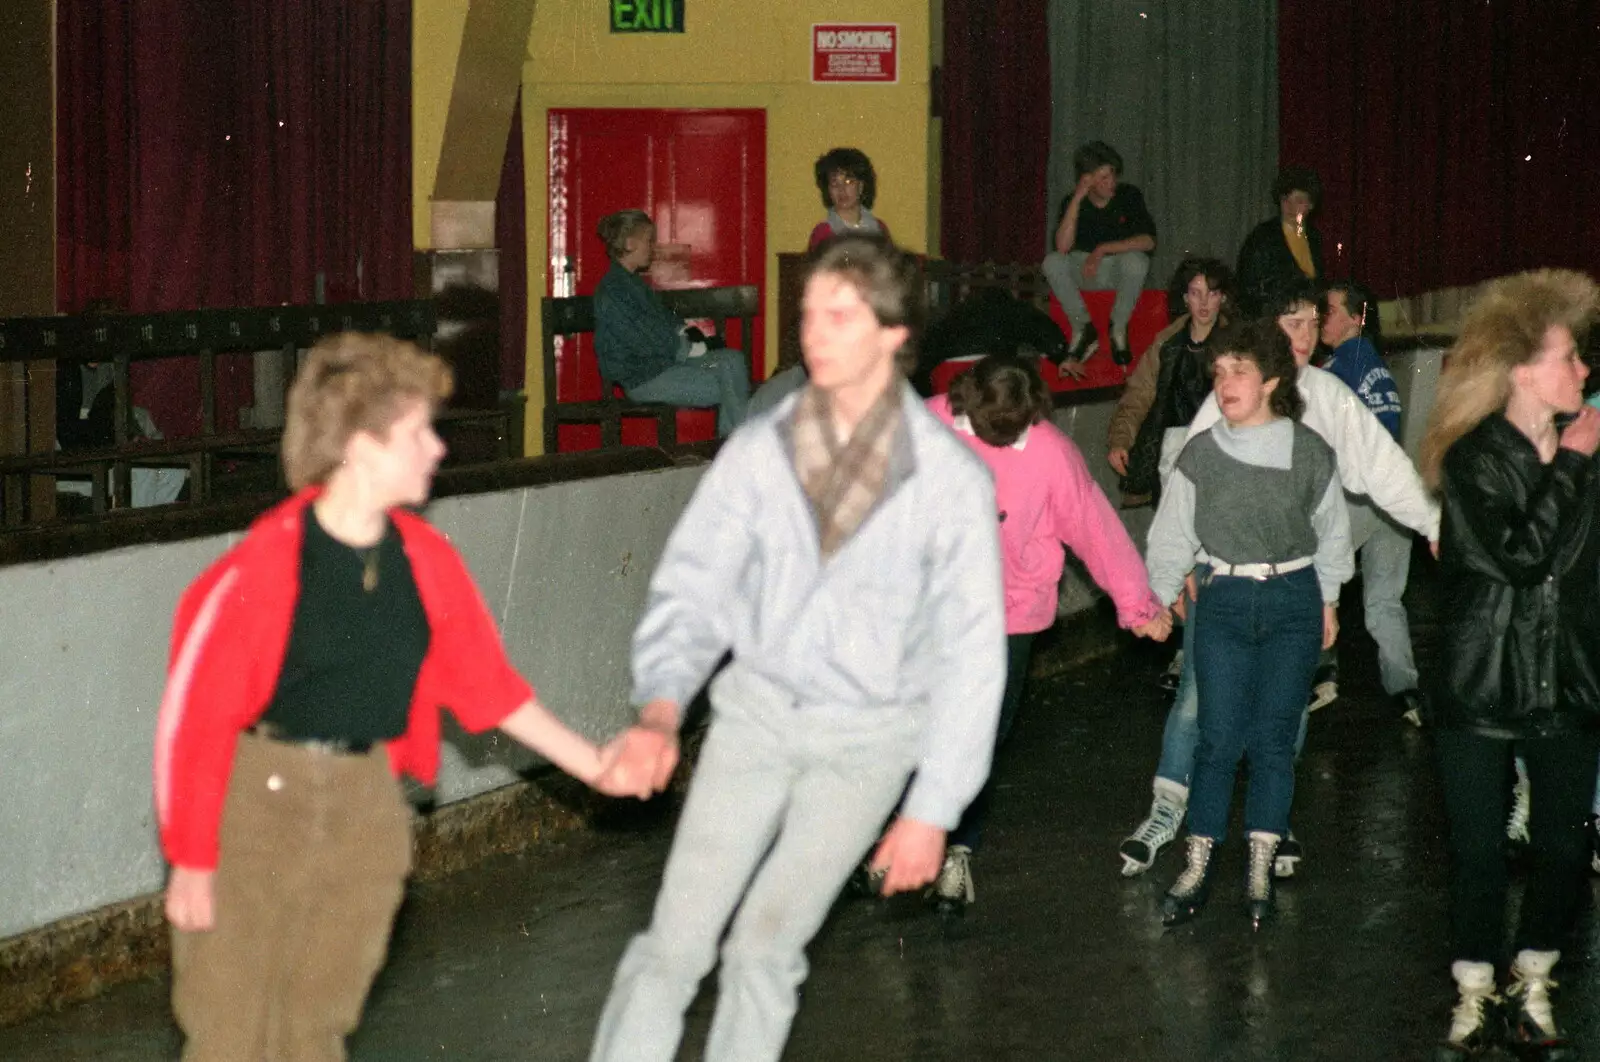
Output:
x=350 y=382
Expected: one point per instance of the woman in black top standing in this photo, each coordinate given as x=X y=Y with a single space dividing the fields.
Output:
x=1520 y=551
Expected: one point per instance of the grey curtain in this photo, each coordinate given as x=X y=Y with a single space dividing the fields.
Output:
x=1187 y=92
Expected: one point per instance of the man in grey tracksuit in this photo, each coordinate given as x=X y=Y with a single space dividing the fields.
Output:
x=868 y=645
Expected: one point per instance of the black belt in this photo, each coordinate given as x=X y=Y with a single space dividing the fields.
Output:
x=332 y=746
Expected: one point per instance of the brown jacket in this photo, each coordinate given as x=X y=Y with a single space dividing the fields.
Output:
x=1139 y=393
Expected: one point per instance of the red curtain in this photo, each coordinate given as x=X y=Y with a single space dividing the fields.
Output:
x=995 y=103
x=1455 y=142
x=511 y=237
x=226 y=153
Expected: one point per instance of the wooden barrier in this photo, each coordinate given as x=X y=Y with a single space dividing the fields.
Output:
x=574 y=315
x=121 y=340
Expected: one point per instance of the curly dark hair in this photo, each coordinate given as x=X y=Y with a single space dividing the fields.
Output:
x=1285 y=295
x=1264 y=343
x=852 y=163
x=1218 y=278
x=1297 y=179
x=1003 y=394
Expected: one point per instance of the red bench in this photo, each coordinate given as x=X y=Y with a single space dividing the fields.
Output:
x=1149 y=318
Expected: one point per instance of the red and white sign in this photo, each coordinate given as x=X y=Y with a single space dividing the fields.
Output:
x=855 y=52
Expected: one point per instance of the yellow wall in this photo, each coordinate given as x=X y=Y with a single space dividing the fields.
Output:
x=735 y=53
x=436 y=30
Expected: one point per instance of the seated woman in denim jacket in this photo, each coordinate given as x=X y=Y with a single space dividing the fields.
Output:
x=646 y=349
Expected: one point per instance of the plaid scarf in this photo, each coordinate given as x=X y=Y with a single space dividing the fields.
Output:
x=844 y=481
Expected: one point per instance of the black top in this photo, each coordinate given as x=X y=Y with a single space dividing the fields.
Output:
x=1186 y=374
x=354 y=653
x=1123 y=217
x=1521 y=559
x=1267 y=266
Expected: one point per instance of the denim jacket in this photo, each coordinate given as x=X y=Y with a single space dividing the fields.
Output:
x=908 y=615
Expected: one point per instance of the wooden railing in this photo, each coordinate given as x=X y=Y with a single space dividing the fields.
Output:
x=574 y=315
x=946 y=284
x=201 y=334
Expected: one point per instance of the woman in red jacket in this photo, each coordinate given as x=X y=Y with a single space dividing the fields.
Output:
x=308 y=667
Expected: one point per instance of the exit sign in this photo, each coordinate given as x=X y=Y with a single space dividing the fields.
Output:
x=646 y=16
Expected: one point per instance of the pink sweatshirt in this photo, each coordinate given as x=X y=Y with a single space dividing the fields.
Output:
x=1046 y=497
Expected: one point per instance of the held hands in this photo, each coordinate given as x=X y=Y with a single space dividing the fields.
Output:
x=191 y=903
x=639 y=762
x=910 y=855
x=1091 y=265
x=1330 y=625
x=1157 y=629
x=1118 y=459
x=1583 y=434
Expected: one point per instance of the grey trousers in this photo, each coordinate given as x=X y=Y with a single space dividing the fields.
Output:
x=1385 y=550
x=784 y=804
x=1123 y=273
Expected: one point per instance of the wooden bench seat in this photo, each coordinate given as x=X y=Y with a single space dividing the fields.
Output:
x=572 y=316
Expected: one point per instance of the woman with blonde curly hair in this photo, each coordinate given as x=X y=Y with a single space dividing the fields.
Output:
x=309 y=664
x=1520 y=550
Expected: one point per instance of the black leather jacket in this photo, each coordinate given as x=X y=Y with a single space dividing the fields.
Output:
x=1521 y=557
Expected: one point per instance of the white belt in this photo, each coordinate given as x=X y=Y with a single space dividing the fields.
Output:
x=1260 y=571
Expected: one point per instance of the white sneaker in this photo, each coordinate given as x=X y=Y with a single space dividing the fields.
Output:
x=953 y=887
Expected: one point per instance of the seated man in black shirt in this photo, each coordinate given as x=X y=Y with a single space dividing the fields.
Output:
x=1103 y=241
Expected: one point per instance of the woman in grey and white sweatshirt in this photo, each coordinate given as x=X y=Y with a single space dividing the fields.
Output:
x=1256 y=501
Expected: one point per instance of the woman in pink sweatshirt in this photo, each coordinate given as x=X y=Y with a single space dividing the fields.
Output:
x=1046 y=500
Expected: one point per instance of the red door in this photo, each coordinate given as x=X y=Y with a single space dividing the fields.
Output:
x=702 y=177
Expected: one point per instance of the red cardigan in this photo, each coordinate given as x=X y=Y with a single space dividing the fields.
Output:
x=229 y=637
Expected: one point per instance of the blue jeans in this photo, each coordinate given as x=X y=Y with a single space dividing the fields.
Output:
x=718 y=378
x=1255 y=645
x=1182 y=732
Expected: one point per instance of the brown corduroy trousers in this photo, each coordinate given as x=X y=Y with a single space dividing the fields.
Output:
x=315 y=849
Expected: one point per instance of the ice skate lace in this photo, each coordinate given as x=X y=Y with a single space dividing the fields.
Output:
x=1262 y=851
x=1533 y=996
x=1195 y=871
x=1467 y=1017
x=1162 y=825
x=1517 y=823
